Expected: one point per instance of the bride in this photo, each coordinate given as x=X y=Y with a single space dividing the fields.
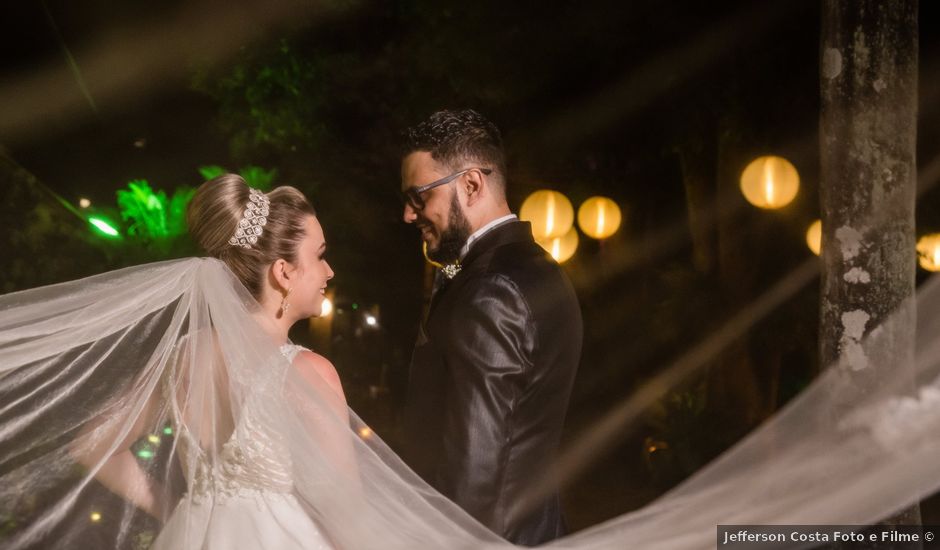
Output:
x=174 y=386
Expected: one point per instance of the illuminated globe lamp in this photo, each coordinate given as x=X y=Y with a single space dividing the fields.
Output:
x=814 y=237
x=550 y=214
x=770 y=182
x=599 y=217
x=561 y=248
x=928 y=252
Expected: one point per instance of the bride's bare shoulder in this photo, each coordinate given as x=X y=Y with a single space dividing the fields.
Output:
x=317 y=369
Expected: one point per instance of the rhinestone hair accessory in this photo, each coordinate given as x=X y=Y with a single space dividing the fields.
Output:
x=251 y=225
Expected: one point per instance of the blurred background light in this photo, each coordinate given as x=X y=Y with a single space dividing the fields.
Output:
x=549 y=212
x=599 y=217
x=770 y=182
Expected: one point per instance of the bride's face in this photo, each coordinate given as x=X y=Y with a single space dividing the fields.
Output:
x=311 y=272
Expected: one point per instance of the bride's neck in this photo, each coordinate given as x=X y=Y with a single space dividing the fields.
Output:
x=275 y=322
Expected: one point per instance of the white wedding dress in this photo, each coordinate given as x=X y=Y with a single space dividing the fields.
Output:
x=262 y=458
x=243 y=498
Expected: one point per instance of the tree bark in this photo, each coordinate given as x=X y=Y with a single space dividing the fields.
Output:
x=867 y=192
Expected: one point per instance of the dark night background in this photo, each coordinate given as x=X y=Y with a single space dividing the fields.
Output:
x=657 y=105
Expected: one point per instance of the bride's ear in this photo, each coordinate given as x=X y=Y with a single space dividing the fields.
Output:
x=282 y=272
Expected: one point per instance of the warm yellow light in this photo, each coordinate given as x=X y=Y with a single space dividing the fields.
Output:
x=928 y=252
x=326 y=308
x=153 y=438
x=599 y=217
x=365 y=433
x=770 y=182
x=561 y=248
x=814 y=237
x=84 y=203
x=95 y=517
x=549 y=212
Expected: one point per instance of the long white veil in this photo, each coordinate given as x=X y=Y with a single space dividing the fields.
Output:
x=140 y=379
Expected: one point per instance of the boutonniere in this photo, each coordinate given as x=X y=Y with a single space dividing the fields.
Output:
x=451 y=270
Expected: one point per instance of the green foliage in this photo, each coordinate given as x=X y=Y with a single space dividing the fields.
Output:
x=255 y=176
x=258 y=177
x=145 y=210
x=268 y=101
x=176 y=214
x=152 y=215
x=679 y=420
x=211 y=171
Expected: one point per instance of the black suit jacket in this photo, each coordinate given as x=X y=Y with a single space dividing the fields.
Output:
x=490 y=380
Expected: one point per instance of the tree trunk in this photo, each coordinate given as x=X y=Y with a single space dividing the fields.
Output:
x=867 y=191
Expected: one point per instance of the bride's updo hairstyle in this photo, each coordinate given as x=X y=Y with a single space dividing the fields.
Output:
x=213 y=216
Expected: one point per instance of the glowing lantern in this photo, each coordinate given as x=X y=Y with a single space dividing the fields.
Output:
x=928 y=252
x=814 y=237
x=561 y=248
x=599 y=217
x=549 y=212
x=770 y=182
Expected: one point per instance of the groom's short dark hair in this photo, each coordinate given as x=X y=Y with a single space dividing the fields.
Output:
x=455 y=138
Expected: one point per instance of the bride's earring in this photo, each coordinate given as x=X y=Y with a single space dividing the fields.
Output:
x=284 y=303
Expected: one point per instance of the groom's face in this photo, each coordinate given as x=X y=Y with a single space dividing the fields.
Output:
x=441 y=220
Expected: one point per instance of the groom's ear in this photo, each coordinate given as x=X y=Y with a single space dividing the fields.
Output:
x=474 y=186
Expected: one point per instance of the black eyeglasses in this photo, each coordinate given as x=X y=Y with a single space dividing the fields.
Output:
x=412 y=195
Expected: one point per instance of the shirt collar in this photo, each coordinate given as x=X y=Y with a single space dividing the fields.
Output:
x=484 y=230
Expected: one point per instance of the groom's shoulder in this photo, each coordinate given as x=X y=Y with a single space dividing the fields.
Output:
x=525 y=263
x=505 y=278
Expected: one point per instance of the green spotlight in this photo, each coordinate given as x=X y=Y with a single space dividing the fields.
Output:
x=103 y=226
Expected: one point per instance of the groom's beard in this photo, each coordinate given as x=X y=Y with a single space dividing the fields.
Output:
x=454 y=237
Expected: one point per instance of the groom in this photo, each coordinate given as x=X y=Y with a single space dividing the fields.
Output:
x=495 y=359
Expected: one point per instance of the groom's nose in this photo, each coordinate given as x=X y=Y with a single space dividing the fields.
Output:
x=409 y=215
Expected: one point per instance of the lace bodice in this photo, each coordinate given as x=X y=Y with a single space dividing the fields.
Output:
x=254 y=458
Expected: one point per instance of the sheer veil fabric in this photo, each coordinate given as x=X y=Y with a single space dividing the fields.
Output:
x=263 y=454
